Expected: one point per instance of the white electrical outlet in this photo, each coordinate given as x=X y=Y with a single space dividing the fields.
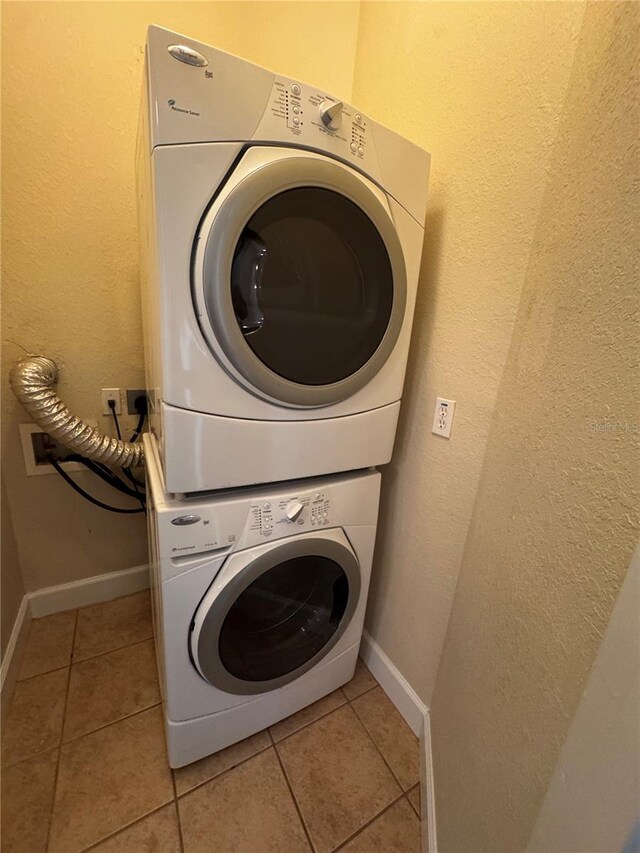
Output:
x=443 y=417
x=111 y=394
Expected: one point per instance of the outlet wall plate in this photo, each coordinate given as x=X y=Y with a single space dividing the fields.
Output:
x=443 y=417
x=32 y=468
x=132 y=395
x=107 y=394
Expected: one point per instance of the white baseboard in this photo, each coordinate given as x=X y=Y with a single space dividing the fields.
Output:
x=416 y=715
x=428 y=799
x=394 y=684
x=13 y=653
x=67 y=596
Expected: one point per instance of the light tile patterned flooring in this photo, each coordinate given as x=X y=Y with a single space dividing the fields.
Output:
x=84 y=762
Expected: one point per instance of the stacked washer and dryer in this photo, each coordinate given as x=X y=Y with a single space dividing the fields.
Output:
x=281 y=234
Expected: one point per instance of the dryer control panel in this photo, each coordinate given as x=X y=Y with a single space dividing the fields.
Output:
x=307 y=116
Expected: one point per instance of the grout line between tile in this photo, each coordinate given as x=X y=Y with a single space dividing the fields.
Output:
x=55 y=668
x=125 y=826
x=111 y=723
x=368 y=690
x=406 y=793
x=306 y=725
x=321 y=717
x=40 y=674
x=10 y=765
x=222 y=773
x=45 y=672
x=293 y=797
x=64 y=719
x=370 y=736
x=175 y=805
x=109 y=651
x=368 y=823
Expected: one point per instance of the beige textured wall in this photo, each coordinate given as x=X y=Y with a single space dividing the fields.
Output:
x=556 y=519
x=591 y=804
x=481 y=86
x=71 y=77
x=11 y=586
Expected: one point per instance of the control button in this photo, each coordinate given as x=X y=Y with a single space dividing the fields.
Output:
x=296 y=110
x=295 y=89
x=358 y=118
x=353 y=147
x=185 y=519
x=318 y=496
x=360 y=150
x=293 y=510
x=331 y=114
x=296 y=121
x=267 y=506
x=187 y=54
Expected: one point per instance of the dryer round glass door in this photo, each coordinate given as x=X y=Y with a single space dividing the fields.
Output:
x=277 y=617
x=304 y=281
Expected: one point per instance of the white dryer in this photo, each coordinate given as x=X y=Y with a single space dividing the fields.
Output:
x=281 y=236
x=259 y=598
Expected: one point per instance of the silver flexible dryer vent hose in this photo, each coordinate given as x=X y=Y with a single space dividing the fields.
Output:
x=32 y=380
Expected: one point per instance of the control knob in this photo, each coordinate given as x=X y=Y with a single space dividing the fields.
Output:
x=331 y=114
x=293 y=510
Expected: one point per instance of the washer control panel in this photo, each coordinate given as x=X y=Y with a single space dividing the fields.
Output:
x=308 y=116
x=196 y=527
x=284 y=516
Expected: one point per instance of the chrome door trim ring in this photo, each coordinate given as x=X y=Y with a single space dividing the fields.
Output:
x=238 y=207
x=205 y=651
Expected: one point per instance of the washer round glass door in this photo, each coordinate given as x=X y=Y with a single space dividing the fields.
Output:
x=277 y=617
x=303 y=280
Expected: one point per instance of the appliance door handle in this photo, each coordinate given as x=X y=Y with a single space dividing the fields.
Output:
x=249 y=273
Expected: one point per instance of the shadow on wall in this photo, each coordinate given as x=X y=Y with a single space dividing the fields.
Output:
x=412 y=416
x=417 y=369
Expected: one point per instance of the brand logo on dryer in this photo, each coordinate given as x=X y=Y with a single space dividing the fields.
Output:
x=188 y=55
x=172 y=106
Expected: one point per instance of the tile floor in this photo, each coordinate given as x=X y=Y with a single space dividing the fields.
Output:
x=84 y=763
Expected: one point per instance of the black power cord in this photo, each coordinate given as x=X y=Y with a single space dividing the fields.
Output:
x=104 y=474
x=125 y=471
x=112 y=406
x=86 y=495
x=141 y=408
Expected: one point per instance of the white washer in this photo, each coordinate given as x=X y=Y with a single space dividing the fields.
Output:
x=281 y=236
x=259 y=598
